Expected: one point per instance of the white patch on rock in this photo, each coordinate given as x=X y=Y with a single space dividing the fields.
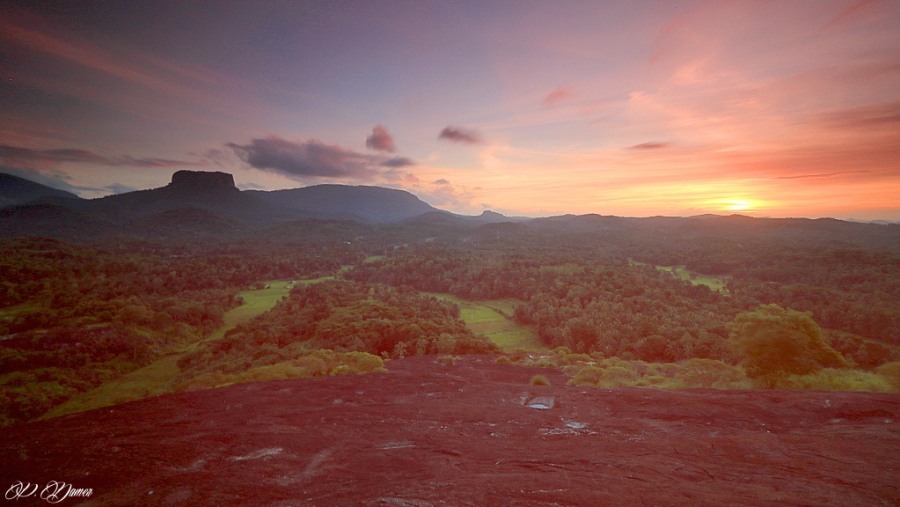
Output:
x=542 y=402
x=262 y=453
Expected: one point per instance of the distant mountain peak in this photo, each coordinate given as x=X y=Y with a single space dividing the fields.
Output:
x=202 y=181
x=16 y=190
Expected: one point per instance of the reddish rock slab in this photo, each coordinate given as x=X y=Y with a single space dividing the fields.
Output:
x=473 y=433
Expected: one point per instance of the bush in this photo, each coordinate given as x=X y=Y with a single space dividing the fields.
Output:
x=830 y=379
x=775 y=342
x=710 y=374
x=891 y=372
x=615 y=372
x=304 y=364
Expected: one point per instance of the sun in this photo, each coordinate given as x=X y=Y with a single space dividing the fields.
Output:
x=739 y=205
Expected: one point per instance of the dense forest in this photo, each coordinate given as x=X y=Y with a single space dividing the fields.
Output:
x=694 y=309
x=74 y=317
x=362 y=323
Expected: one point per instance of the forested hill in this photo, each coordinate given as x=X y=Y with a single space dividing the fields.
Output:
x=743 y=231
x=372 y=204
x=15 y=190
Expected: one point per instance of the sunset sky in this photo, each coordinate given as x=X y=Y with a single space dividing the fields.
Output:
x=634 y=108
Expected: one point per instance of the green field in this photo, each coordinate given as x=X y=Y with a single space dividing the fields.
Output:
x=156 y=378
x=492 y=318
x=255 y=302
x=716 y=283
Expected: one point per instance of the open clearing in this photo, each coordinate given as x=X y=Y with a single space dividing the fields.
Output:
x=255 y=302
x=716 y=283
x=493 y=318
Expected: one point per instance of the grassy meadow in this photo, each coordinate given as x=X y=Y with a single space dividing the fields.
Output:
x=716 y=283
x=492 y=318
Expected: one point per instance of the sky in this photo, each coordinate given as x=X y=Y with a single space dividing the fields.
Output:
x=531 y=108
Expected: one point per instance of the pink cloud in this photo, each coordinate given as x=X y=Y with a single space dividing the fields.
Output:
x=381 y=139
x=558 y=95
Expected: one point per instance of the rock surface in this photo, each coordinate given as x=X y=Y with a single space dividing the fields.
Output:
x=424 y=434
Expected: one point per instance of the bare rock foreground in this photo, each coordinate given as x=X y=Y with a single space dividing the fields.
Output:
x=472 y=433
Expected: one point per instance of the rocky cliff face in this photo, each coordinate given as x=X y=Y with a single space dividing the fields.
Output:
x=202 y=181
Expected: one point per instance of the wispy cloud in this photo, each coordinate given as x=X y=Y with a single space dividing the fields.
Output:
x=381 y=140
x=820 y=175
x=853 y=11
x=398 y=162
x=442 y=194
x=193 y=88
x=17 y=155
x=558 y=95
x=651 y=145
x=460 y=135
x=866 y=117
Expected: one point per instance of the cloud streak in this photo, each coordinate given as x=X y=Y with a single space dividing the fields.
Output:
x=18 y=155
x=196 y=91
x=821 y=175
x=558 y=95
x=652 y=145
x=460 y=135
x=398 y=162
x=313 y=159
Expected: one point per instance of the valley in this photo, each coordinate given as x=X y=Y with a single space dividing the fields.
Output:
x=489 y=253
x=550 y=338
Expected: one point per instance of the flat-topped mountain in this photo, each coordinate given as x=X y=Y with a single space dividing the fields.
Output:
x=201 y=181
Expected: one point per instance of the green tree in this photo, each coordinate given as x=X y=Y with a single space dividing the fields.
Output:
x=775 y=342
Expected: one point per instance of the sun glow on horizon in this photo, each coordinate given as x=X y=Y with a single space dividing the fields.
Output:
x=740 y=205
x=735 y=204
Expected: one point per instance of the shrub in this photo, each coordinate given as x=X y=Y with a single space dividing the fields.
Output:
x=540 y=380
x=711 y=374
x=776 y=342
x=891 y=372
x=830 y=379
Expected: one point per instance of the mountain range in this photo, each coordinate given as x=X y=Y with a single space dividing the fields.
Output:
x=201 y=202
x=208 y=204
